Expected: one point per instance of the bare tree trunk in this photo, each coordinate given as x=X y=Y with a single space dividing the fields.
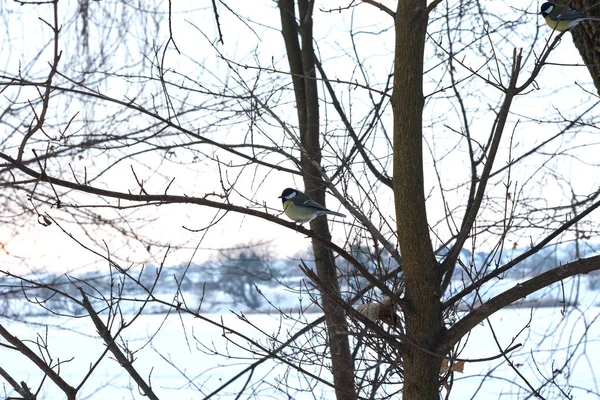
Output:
x=423 y=311
x=302 y=67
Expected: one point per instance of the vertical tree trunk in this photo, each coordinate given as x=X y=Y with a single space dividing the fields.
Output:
x=423 y=312
x=302 y=67
x=586 y=37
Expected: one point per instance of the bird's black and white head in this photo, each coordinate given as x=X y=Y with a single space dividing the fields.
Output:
x=288 y=194
x=546 y=9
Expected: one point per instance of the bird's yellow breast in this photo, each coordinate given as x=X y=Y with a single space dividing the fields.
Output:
x=558 y=25
x=297 y=213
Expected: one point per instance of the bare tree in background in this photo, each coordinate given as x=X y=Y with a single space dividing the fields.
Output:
x=135 y=134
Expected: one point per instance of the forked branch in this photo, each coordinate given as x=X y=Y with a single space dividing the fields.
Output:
x=521 y=290
x=41 y=118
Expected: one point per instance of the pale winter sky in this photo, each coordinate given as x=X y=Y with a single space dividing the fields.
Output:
x=260 y=43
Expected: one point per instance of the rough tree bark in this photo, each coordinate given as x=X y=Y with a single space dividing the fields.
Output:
x=423 y=311
x=302 y=67
x=586 y=37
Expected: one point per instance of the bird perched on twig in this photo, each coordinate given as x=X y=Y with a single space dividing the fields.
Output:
x=301 y=208
x=562 y=18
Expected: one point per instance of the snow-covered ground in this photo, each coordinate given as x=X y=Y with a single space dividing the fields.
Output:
x=190 y=357
x=177 y=353
x=559 y=352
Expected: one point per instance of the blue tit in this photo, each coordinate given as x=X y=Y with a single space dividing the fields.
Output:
x=562 y=18
x=301 y=208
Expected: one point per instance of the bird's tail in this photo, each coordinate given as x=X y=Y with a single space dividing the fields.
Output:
x=336 y=213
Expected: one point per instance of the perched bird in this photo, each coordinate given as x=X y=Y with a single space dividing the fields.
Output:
x=562 y=18
x=301 y=208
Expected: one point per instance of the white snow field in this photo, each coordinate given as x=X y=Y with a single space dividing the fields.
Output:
x=175 y=353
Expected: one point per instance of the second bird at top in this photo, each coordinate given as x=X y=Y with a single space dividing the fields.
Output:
x=562 y=18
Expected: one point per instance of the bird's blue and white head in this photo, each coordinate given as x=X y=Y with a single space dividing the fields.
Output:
x=288 y=194
x=547 y=8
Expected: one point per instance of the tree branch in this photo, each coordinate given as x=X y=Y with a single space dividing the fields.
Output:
x=114 y=349
x=174 y=199
x=433 y=5
x=48 y=86
x=67 y=389
x=474 y=206
x=381 y=7
x=168 y=122
x=22 y=389
x=522 y=257
x=521 y=290
x=381 y=176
